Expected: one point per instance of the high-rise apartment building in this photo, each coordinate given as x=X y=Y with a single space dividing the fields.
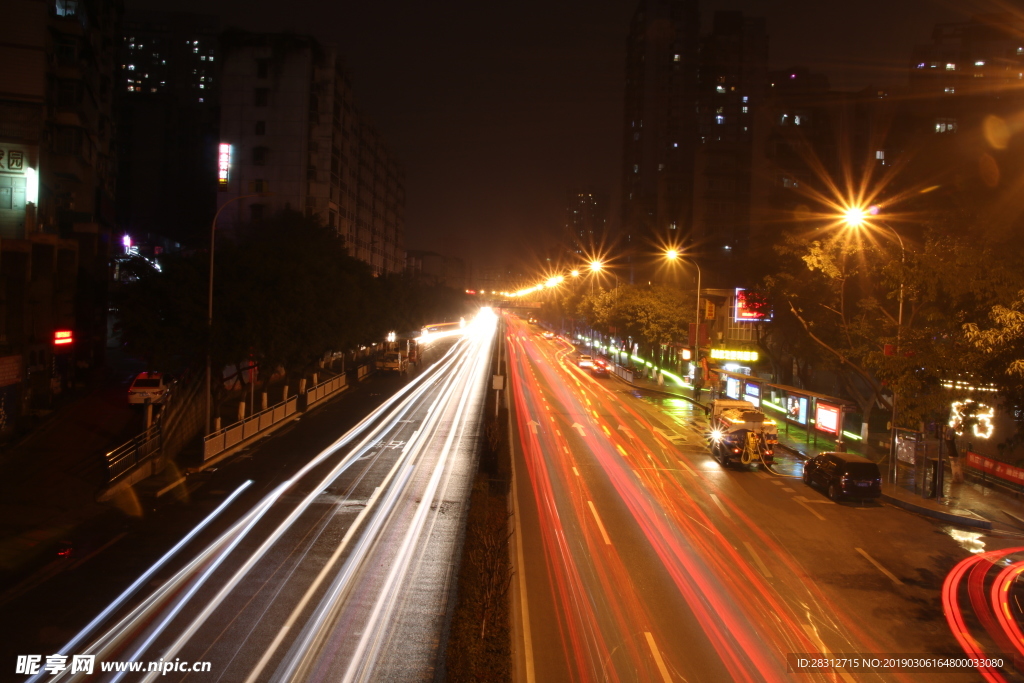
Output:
x=660 y=126
x=586 y=221
x=289 y=125
x=732 y=82
x=167 y=94
x=56 y=193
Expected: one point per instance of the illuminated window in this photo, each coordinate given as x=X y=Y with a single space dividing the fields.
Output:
x=979 y=63
x=880 y=154
x=719 y=119
x=67 y=8
x=796 y=120
x=745 y=110
x=921 y=65
x=950 y=91
x=636 y=168
x=131 y=67
x=945 y=125
x=676 y=58
x=745 y=98
x=950 y=67
x=720 y=88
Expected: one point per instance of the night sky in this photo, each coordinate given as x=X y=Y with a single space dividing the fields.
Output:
x=496 y=109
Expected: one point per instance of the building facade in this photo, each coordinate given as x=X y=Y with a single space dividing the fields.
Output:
x=660 y=124
x=57 y=183
x=167 y=103
x=586 y=222
x=294 y=141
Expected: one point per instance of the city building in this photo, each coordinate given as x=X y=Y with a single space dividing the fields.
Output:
x=586 y=222
x=167 y=105
x=732 y=81
x=292 y=139
x=57 y=189
x=660 y=128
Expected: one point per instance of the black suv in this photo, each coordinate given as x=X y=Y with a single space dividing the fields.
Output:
x=843 y=474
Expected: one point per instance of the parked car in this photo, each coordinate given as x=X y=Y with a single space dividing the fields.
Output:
x=148 y=385
x=585 y=362
x=844 y=475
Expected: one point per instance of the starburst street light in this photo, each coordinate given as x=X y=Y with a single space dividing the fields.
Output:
x=859 y=218
x=575 y=273
x=596 y=266
x=671 y=254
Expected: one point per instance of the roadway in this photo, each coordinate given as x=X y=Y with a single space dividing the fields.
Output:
x=340 y=569
x=642 y=559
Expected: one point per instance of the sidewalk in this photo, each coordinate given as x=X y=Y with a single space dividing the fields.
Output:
x=969 y=504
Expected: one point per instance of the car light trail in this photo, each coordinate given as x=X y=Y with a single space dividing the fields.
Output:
x=747 y=612
x=329 y=581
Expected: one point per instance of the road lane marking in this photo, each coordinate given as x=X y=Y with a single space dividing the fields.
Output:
x=600 y=526
x=720 y=506
x=803 y=501
x=575 y=471
x=776 y=482
x=788 y=490
x=879 y=567
x=657 y=657
x=757 y=560
x=813 y=635
x=763 y=475
x=686 y=467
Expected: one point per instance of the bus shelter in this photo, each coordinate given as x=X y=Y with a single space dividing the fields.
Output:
x=819 y=415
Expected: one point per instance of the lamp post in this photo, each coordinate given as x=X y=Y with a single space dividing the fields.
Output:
x=209 y=308
x=674 y=255
x=857 y=218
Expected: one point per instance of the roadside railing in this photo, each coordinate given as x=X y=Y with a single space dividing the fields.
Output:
x=234 y=434
x=123 y=460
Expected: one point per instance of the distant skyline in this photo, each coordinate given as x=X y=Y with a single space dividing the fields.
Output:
x=497 y=110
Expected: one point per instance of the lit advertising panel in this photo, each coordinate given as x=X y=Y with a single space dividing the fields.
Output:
x=744 y=312
x=796 y=409
x=223 y=165
x=826 y=418
x=732 y=387
x=752 y=393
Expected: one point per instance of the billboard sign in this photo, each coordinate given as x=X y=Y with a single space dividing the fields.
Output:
x=826 y=418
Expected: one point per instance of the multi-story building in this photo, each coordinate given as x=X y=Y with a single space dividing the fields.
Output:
x=289 y=126
x=56 y=193
x=167 y=92
x=660 y=127
x=586 y=222
x=733 y=79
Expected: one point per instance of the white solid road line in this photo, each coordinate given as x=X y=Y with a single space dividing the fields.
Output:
x=720 y=506
x=808 y=507
x=892 y=577
x=600 y=526
x=757 y=559
x=813 y=635
x=657 y=657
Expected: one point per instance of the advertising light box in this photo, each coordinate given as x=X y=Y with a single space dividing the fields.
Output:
x=732 y=387
x=752 y=393
x=827 y=418
x=796 y=409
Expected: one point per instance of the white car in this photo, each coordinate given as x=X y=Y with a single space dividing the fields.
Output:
x=548 y=335
x=585 y=362
x=148 y=385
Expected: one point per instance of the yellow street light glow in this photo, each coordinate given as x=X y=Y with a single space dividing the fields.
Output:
x=596 y=266
x=575 y=273
x=671 y=254
x=855 y=216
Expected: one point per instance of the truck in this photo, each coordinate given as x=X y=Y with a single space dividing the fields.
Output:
x=740 y=433
x=396 y=355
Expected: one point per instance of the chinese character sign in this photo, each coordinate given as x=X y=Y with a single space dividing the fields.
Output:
x=223 y=165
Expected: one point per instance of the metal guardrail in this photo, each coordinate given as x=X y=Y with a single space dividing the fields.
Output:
x=235 y=433
x=125 y=458
x=325 y=389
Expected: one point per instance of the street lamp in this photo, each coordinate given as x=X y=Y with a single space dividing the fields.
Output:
x=674 y=255
x=858 y=218
x=209 y=309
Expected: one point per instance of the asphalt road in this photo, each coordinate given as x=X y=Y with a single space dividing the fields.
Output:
x=642 y=559
x=327 y=553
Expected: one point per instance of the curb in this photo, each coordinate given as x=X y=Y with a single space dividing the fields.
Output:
x=662 y=391
x=976 y=522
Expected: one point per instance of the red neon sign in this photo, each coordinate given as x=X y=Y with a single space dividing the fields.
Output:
x=63 y=337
